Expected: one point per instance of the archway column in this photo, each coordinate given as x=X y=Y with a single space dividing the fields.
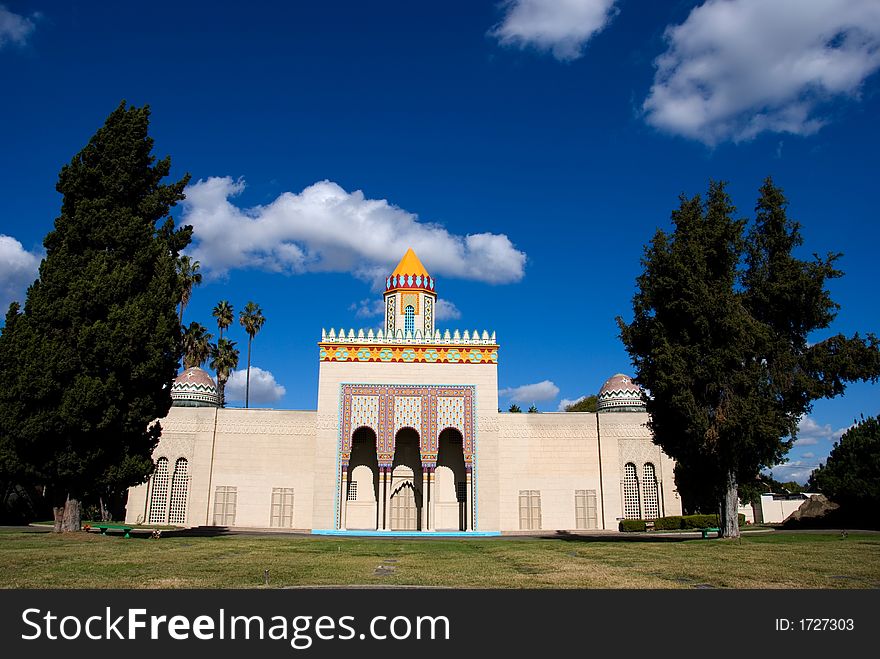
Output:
x=383 y=497
x=469 y=500
x=424 y=523
x=343 y=489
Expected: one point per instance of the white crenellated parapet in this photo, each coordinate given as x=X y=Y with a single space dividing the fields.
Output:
x=374 y=337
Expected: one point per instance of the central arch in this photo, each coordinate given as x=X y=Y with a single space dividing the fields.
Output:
x=449 y=494
x=405 y=504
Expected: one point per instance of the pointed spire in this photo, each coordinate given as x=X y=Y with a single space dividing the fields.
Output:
x=410 y=265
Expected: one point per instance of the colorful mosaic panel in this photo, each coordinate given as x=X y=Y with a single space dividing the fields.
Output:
x=387 y=408
x=408 y=412
x=436 y=354
x=410 y=300
x=364 y=412
x=429 y=315
x=389 y=314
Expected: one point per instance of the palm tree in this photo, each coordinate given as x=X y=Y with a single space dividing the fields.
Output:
x=224 y=314
x=189 y=275
x=252 y=320
x=224 y=360
x=196 y=345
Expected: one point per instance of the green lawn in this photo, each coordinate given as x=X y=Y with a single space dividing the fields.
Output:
x=772 y=560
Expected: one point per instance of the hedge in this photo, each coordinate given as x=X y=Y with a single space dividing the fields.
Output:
x=676 y=523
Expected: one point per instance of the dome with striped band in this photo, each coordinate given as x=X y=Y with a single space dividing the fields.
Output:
x=620 y=394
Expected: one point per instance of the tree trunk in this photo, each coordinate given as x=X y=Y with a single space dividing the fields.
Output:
x=72 y=518
x=105 y=511
x=728 y=518
x=247 y=386
x=58 y=515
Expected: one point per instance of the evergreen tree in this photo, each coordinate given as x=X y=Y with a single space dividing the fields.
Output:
x=224 y=360
x=225 y=314
x=516 y=409
x=188 y=271
x=87 y=367
x=724 y=349
x=196 y=345
x=252 y=319
x=851 y=475
x=585 y=404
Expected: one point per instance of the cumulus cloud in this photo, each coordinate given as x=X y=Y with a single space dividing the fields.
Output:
x=14 y=28
x=446 y=310
x=368 y=307
x=811 y=433
x=561 y=26
x=531 y=393
x=797 y=470
x=737 y=68
x=565 y=402
x=264 y=388
x=327 y=229
x=18 y=269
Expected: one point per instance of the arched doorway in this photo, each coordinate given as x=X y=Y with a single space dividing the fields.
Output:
x=449 y=493
x=362 y=482
x=405 y=504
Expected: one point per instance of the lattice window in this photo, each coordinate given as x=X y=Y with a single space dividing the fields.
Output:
x=631 y=507
x=159 y=494
x=224 y=505
x=461 y=490
x=585 y=509
x=529 y=510
x=352 y=491
x=652 y=500
x=179 y=490
x=282 y=507
x=409 y=319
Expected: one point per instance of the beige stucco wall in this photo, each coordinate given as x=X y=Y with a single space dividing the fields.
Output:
x=555 y=453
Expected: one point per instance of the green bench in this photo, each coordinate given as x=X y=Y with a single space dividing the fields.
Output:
x=118 y=527
x=711 y=529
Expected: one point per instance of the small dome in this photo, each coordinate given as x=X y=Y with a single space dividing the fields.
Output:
x=620 y=394
x=194 y=388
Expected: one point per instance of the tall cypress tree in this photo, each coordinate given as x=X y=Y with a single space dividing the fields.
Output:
x=89 y=363
x=721 y=334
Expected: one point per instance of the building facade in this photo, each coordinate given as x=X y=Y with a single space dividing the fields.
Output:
x=407 y=437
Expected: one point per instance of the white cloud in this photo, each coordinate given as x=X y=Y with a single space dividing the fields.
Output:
x=264 y=388
x=811 y=433
x=368 y=307
x=565 y=402
x=737 y=68
x=808 y=455
x=531 y=393
x=797 y=470
x=14 y=28
x=326 y=229
x=446 y=310
x=561 y=26
x=18 y=269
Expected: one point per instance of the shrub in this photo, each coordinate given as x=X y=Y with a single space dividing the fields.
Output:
x=676 y=522
x=627 y=525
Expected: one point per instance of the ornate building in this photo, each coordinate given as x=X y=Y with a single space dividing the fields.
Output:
x=407 y=437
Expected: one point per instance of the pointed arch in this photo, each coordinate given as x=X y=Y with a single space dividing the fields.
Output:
x=159 y=493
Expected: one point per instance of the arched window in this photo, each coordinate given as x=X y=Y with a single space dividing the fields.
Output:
x=179 y=489
x=159 y=493
x=409 y=320
x=631 y=508
x=652 y=501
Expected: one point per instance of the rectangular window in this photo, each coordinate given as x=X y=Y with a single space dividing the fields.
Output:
x=224 y=505
x=282 y=507
x=353 y=491
x=585 y=509
x=461 y=490
x=529 y=510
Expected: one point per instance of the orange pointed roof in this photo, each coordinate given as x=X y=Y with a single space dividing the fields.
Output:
x=410 y=265
x=409 y=274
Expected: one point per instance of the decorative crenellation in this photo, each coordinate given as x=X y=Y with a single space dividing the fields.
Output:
x=418 y=281
x=417 y=406
x=399 y=337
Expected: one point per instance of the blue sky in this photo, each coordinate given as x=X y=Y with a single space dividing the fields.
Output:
x=527 y=150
